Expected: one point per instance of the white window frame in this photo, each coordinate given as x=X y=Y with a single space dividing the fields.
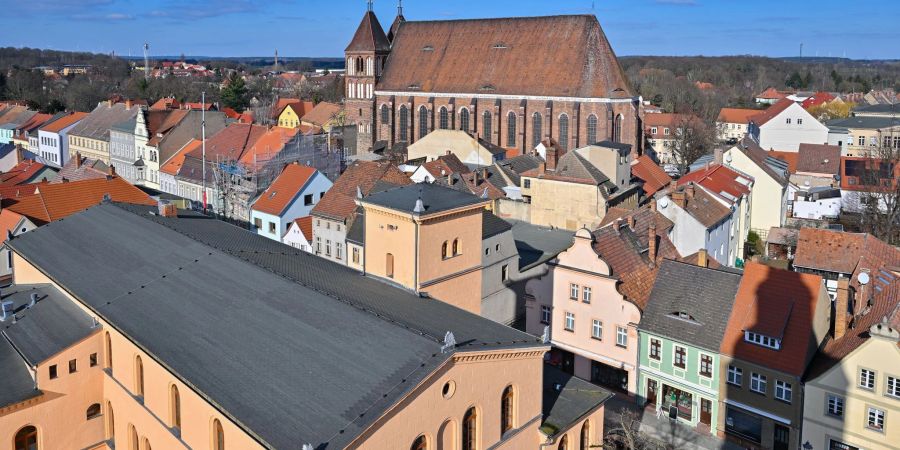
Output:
x=569 y=324
x=621 y=337
x=759 y=383
x=892 y=386
x=597 y=329
x=834 y=405
x=866 y=379
x=586 y=294
x=735 y=376
x=783 y=391
x=573 y=291
x=875 y=416
x=545 y=314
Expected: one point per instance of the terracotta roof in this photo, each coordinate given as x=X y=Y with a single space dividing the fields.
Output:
x=165 y=103
x=280 y=104
x=9 y=220
x=284 y=189
x=772 y=94
x=791 y=158
x=340 y=201
x=771 y=112
x=173 y=164
x=34 y=122
x=160 y=124
x=56 y=201
x=89 y=169
x=305 y=224
x=321 y=114
x=269 y=145
x=369 y=36
x=57 y=125
x=300 y=108
x=22 y=173
x=819 y=158
x=661 y=121
x=736 y=115
x=446 y=165
x=842 y=252
x=231 y=142
x=625 y=250
x=776 y=303
x=487 y=56
x=720 y=180
x=653 y=176
x=817 y=99
x=18 y=190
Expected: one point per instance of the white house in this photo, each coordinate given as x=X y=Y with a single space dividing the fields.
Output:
x=818 y=203
x=468 y=149
x=299 y=234
x=770 y=188
x=53 y=141
x=701 y=221
x=784 y=126
x=292 y=195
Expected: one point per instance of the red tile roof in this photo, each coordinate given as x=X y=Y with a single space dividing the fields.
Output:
x=22 y=173
x=653 y=176
x=771 y=112
x=857 y=171
x=321 y=114
x=369 y=36
x=89 y=169
x=818 y=98
x=18 y=190
x=340 y=201
x=9 y=220
x=268 y=146
x=299 y=108
x=791 y=158
x=56 y=201
x=231 y=142
x=772 y=94
x=286 y=187
x=446 y=165
x=165 y=103
x=720 y=179
x=842 y=252
x=173 y=164
x=776 y=303
x=280 y=104
x=736 y=115
x=57 y=125
x=305 y=224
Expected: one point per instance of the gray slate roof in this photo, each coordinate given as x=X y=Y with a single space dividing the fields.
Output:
x=96 y=125
x=50 y=326
x=491 y=225
x=567 y=399
x=434 y=198
x=705 y=294
x=339 y=348
x=537 y=245
x=868 y=122
x=884 y=108
x=18 y=385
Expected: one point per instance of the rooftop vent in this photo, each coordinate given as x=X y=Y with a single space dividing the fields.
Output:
x=8 y=310
x=428 y=48
x=500 y=46
x=34 y=299
x=420 y=207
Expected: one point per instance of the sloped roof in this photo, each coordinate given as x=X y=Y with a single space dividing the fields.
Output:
x=340 y=201
x=173 y=164
x=369 y=36
x=843 y=252
x=704 y=207
x=97 y=124
x=771 y=112
x=776 y=303
x=90 y=169
x=817 y=99
x=284 y=189
x=567 y=399
x=721 y=180
x=300 y=108
x=52 y=202
x=653 y=176
x=760 y=157
x=819 y=158
x=24 y=172
x=445 y=165
x=487 y=56
x=789 y=158
x=305 y=225
x=268 y=146
x=231 y=142
x=434 y=198
x=491 y=225
x=321 y=114
x=736 y=115
x=57 y=125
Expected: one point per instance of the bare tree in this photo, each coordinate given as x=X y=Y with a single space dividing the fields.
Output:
x=692 y=139
x=879 y=202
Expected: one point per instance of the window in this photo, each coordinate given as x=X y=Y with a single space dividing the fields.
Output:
x=666 y=131
x=464 y=120
x=866 y=379
x=573 y=291
x=73 y=365
x=423 y=121
x=93 y=359
x=109 y=364
x=617 y=129
x=444 y=250
x=835 y=406
x=218 y=435
x=92 y=411
x=545 y=314
x=758 y=383
x=506 y=410
x=138 y=376
x=456 y=248
x=444 y=118
x=385 y=115
x=421 y=443
x=591 y=129
x=389 y=265
x=655 y=349
x=339 y=250
x=53 y=372
x=563 y=139
x=679 y=357
x=735 y=376
x=470 y=430
x=570 y=322
x=586 y=294
x=788 y=120
x=783 y=391
x=563 y=443
x=527 y=183
x=271 y=227
x=26 y=438
x=536 y=132
x=404 y=123
x=174 y=408
x=133 y=442
x=799 y=121
x=307 y=199
x=875 y=419
x=706 y=366
x=585 y=435
x=757 y=338
x=318 y=244
x=621 y=337
x=504 y=272
x=597 y=329
x=862 y=140
x=511 y=120
x=327 y=247
x=653 y=130
x=355 y=255
x=892 y=387
x=486 y=125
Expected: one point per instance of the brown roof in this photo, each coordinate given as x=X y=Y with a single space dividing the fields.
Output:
x=756 y=154
x=791 y=158
x=280 y=104
x=231 y=142
x=62 y=122
x=56 y=201
x=704 y=207
x=653 y=176
x=783 y=236
x=340 y=201
x=721 y=180
x=776 y=303
x=22 y=173
x=819 y=158
x=305 y=224
x=268 y=146
x=736 y=115
x=286 y=187
x=300 y=108
x=626 y=251
x=488 y=56
x=369 y=36
x=161 y=122
x=445 y=165
x=321 y=113
x=772 y=111
x=842 y=252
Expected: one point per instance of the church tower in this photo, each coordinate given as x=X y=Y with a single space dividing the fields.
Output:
x=365 y=58
x=397 y=21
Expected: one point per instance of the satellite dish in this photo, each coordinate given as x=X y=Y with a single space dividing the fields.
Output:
x=663 y=202
x=728 y=158
x=863 y=278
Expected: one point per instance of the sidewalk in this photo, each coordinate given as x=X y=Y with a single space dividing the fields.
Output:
x=673 y=435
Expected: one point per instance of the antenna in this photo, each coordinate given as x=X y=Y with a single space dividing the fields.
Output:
x=146 y=60
x=203 y=143
x=801 y=50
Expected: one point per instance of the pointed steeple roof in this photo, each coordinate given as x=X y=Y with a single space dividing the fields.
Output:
x=397 y=21
x=369 y=36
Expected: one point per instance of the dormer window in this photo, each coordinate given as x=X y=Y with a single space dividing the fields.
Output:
x=763 y=340
x=428 y=48
x=683 y=315
x=500 y=46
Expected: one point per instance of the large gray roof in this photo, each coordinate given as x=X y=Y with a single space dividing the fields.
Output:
x=434 y=198
x=18 y=385
x=567 y=399
x=868 y=122
x=536 y=244
x=339 y=348
x=96 y=125
x=705 y=294
x=491 y=225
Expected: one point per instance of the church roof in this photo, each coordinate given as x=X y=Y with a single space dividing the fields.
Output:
x=369 y=36
x=515 y=56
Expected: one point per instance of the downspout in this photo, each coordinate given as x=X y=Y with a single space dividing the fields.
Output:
x=416 y=257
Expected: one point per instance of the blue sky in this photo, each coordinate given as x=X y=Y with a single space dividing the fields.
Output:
x=867 y=29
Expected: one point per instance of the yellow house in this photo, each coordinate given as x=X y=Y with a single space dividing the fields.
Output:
x=91 y=137
x=289 y=117
x=867 y=135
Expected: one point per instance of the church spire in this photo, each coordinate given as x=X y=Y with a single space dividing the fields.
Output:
x=397 y=21
x=399 y=7
x=369 y=6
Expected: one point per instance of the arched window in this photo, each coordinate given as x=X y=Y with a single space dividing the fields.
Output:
x=470 y=430
x=563 y=139
x=385 y=115
x=444 y=250
x=218 y=435
x=133 y=442
x=506 y=410
x=419 y=444
x=564 y=443
x=138 y=376
x=464 y=119
x=110 y=422
x=404 y=123
x=26 y=438
x=108 y=344
x=486 y=126
x=389 y=265
x=511 y=129
x=423 y=121
x=591 y=129
x=93 y=411
x=456 y=249
x=536 y=132
x=617 y=129
x=586 y=436
x=147 y=444
x=370 y=66
x=349 y=66
x=444 y=118
x=174 y=408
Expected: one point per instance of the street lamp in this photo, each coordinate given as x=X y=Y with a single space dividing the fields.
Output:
x=807 y=446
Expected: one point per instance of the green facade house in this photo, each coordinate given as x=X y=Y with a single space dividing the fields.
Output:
x=680 y=333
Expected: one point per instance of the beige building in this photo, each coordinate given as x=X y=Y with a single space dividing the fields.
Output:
x=732 y=123
x=468 y=149
x=867 y=135
x=90 y=137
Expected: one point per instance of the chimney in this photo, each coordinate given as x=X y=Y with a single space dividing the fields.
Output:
x=128 y=104
x=109 y=103
x=475 y=178
x=618 y=225
x=702 y=258
x=112 y=170
x=8 y=309
x=651 y=242
x=20 y=154
x=841 y=306
x=552 y=158
x=77 y=160
x=653 y=205
x=65 y=180
x=689 y=190
x=449 y=179
x=484 y=174
x=678 y=199
x=542 y=167
x=718 y=155
x=169 y=210
x=631 y=221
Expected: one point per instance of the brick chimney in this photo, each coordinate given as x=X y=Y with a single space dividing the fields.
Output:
x=168 y=210
x=77 y=160
x=542 y=167
x=702 y=258
x=552 y=158
x=128 y=104
x=653 y=205
x=841 y=305
x=651 y=242
x=689 y=190
x=631 y=221
x=678 y=199
x=111 y=170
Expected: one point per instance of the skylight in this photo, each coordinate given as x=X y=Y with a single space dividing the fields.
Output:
x=763 y=340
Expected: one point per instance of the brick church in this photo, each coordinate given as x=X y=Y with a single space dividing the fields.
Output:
x=513 y=82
